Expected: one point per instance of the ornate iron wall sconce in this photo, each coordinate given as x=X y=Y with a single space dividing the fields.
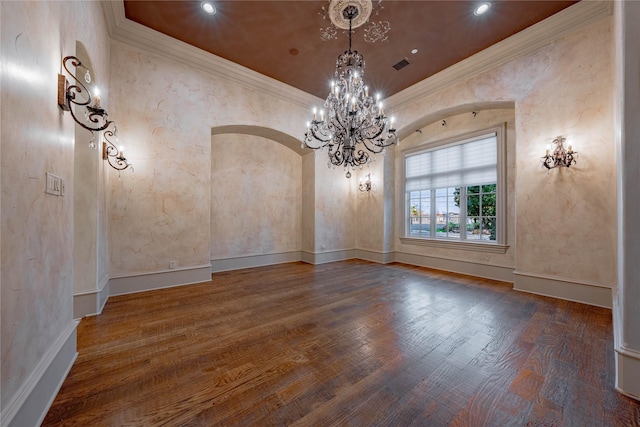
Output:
x=113 y=154
x=560 y=155
x=97 y=118
x=365 y=186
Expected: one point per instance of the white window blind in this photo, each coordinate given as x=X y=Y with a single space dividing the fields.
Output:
x=467 y=163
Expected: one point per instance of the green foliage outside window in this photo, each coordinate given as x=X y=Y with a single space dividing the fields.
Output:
x=481 y=208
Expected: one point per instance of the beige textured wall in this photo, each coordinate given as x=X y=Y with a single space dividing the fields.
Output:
x=335 y=207
x=166 y=111
x=308 y=203
x=256 y=197
x=370 y=208
x=37 y=229
x=565 y=220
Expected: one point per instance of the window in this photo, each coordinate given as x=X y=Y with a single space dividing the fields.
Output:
x=454 y=191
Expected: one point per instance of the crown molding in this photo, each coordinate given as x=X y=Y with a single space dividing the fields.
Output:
x=526 y=41
x=137 y=35
x=522 y=43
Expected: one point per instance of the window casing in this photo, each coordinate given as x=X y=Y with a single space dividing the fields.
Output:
x=455 y=192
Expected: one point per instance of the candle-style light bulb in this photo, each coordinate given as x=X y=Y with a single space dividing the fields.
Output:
x=322 y=115
x=96 y=97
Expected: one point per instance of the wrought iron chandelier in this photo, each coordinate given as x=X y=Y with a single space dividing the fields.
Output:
x=353 y=120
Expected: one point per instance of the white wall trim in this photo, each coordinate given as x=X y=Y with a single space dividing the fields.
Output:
x=522 y=43
x=584 y=292
x=135 y=34
x=139 y=282
x=487 y=271
x=328 y=256
x=91 y=303
x=34 y=398
x=628 y=372
x=627 y=360
x=375 y=256
x=476 y=246
x=250 y=261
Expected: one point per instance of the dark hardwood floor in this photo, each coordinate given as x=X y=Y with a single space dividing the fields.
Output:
x=348 y=343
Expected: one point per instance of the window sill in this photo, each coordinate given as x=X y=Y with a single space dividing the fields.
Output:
x=453 y=244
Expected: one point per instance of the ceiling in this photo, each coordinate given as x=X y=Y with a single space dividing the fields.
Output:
x=281 y=39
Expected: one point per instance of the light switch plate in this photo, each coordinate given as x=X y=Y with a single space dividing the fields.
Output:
x=54 y=185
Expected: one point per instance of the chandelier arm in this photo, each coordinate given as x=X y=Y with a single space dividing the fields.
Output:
x=336 y=157
x=312 y=135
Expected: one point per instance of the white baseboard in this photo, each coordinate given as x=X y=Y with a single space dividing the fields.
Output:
x=375 y=256
x=236 y=263
x=32 y=401
x=91 y=303
x=329 y=256
x=503 y=274
x=122 y=285
x=627 y=361
x=566 y=289
x=628 y=372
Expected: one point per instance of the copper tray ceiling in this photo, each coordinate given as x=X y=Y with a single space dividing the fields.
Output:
x=281 y=39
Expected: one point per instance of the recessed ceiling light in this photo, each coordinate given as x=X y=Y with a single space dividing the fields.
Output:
x=208 y=7
x=414 y=51
x=482 y=8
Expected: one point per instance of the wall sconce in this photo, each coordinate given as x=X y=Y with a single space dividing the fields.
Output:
x=113 y=154
x=96 y=116
x=560 y=155
x=365 y=186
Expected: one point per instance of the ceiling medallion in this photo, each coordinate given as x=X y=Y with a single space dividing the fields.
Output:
x=334 y=10
x=336 y=15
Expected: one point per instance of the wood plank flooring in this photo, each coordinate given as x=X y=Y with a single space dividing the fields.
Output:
x=347 y=343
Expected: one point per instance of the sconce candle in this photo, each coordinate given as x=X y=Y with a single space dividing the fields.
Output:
x=96 y=98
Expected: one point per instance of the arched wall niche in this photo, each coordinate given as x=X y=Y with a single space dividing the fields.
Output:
x=443 y=114
x=264 y=132
x=460 y=122
x=256 y=195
